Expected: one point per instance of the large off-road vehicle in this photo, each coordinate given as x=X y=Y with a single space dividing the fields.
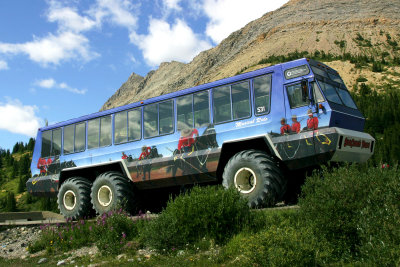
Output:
x=253 y=131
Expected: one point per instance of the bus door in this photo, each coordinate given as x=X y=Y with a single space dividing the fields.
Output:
x=300 y=122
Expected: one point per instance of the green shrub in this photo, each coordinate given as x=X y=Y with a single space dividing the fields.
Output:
x=379 y=224
x=377 y=66
x=356 y=211
x=361 y=79
x=71 y=235
x=211 y=212
x=277 y=246
x=112 y=232
x=263 y=219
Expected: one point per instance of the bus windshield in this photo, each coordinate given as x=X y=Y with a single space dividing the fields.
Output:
x=333 y=87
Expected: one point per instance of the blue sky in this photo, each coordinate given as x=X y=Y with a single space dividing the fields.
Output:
x=64 y=59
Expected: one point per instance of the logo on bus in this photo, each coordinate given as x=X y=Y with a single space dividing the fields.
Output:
x=356 y=143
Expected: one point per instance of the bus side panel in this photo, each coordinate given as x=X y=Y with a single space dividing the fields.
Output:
x=36 y=154
x=45 y=174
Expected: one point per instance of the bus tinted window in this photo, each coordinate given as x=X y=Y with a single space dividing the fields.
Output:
x=80 y=137
x=135 y=124
x=46 y=144
x=184 y=106
x=105 y=131
x=150 y=120
x=346 y=98
x=93 y=133
x=222 y=104
x=240 y=100
x=69 y=139
x=262 y=87
x=120 y=127
x=201 y=109
x=56 y=143
x=330 y=92
x=166 y=117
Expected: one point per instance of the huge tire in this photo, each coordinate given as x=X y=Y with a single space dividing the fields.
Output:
x=257 y=176
x=74 y=198
x=111 y=190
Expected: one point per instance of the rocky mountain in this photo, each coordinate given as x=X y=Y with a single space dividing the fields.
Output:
x=356 y=27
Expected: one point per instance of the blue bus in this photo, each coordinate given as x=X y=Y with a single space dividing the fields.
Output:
x=253 y=131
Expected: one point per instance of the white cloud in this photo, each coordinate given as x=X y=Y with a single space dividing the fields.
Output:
x=172 y=4
x=53 y=49
x=227 y=16
x=118 y=12
x=69 y=19
x=52 y=84
x=46 y=83
x=3 y=65
x=166 y=42
x=18 y=118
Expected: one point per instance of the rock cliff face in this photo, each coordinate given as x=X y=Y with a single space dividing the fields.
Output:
x=302 y=25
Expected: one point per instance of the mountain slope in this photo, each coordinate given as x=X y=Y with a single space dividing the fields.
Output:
x=346 y=26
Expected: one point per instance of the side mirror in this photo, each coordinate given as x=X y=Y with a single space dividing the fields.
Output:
x=304 y=90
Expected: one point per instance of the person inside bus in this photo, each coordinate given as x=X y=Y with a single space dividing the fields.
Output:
x=285 y=128
x=295 y=125
x=312 y=122
x=187 y=139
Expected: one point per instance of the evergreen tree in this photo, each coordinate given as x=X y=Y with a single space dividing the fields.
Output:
x=21 y=185
x=31 y=144
x=11 y=204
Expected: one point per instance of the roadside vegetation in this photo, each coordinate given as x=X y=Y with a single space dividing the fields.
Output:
x=346 y=216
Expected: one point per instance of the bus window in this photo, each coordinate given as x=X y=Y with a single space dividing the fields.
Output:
x=295 y=96
x=318 y=94
x=262 y=87
x=222 y=104
x=120 y=127
x=240 y=100
x=46 y=144
x=105 y=131
x=166 y=117
x=330 y=92
x=93 y=133
x=69 y=139
x=135 y=124
x=56 y=143
x=184 y=106
x=201 y=109
x=80 y=137
x=150 y=120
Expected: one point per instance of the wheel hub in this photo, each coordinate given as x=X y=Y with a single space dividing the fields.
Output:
x=105 y=195
x=69 y=200
x=245 y=180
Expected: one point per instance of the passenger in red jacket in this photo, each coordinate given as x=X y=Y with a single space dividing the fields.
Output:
x=312 y=122
x=145 y=152
x=188 y=138
x=285 y=128
x=42 y=165
x=295 y=125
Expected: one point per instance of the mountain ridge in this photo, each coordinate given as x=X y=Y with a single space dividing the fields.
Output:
x=299 y=25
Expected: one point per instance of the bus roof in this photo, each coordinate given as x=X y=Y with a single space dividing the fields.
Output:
x=182 y=92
